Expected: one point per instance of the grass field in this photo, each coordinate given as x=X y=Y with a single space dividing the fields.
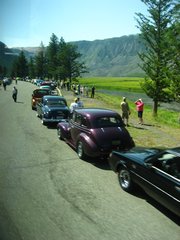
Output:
x=166 y=117
x=114 y=83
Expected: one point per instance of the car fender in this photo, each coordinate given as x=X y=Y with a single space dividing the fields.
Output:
x=90 y=146
x=120 y=164
x=65 y=129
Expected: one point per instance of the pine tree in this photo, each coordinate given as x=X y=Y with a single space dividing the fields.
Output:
x=155 y=60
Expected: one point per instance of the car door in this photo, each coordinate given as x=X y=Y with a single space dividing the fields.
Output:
x=162 y=186
x=75 y=128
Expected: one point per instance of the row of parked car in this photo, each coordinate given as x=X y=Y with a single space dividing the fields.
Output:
x=101 y=133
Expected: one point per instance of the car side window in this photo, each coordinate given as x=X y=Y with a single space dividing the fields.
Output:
x=78 y=119
x=169 y=163
x=84 y=122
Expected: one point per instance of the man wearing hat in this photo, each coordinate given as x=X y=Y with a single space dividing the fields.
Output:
x=125 y=111
x=73 y=105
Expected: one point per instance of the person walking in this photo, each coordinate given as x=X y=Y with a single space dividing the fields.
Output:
x=140 y=108
x=92 y=92
x=125 y=111
x=4 y=84
x=14 y=94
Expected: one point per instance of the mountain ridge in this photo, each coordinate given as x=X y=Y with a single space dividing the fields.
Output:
x=111 y=57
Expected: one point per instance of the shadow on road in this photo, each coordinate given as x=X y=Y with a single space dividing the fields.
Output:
x=99 y=163
x=141 y=194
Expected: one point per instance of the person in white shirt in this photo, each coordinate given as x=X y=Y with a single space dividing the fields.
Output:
x=73 y=105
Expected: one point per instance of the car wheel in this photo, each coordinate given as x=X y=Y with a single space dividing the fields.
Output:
x=43 y=123
x=59 y=133
x=125 y=180
x=80 y=150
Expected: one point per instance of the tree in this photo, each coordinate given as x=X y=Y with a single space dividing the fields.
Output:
x=155 y=60
x=20 y=66
x=31 y=67
x=52 y=51
x=69 y=63
x=174 y=51
x=40 y=63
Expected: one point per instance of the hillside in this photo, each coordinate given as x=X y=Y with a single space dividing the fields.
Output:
x=109 y=57
x=112 y=57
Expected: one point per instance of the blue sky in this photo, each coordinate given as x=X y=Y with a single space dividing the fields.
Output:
x=25 y=23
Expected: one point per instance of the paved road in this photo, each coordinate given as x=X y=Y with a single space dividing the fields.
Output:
x=47 y=193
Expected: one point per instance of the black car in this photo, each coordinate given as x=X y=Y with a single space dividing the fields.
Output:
x=156 y=171
x=52 y=109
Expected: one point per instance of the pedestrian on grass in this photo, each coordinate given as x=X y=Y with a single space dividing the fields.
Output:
x=92 y=92
x=140 y=108
x=14 y=94
x=125 y=111
x=79 y=103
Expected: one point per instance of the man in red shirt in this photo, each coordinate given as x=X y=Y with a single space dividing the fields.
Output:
x=140 y=107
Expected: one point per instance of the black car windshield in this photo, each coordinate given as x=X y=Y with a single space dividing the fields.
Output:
x=109 y=121
x=55 y=102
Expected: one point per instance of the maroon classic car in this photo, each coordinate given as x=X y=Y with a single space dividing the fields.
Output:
x=95 y=132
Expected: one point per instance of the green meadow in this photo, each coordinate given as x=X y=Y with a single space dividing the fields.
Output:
x=165 y=117
x=114 y=83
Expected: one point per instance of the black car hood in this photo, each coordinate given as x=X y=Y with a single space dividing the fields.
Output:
x=138 y=154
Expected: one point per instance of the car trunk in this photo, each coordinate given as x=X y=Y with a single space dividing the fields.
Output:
x=113 y=138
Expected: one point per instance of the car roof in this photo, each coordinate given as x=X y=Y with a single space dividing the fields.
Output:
x=41 y=90
x=96 y=112
x=53 y=97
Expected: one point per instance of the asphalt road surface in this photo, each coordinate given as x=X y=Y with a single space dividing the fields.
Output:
x=47 y=193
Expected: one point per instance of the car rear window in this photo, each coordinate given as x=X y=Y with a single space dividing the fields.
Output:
x=110 y=121
x=41 y=93
x=54 y=102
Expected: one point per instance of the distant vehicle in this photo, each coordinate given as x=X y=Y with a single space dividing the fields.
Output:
x=95 y=132
x=45 y=87
x=7 y=81
x=37 y=96
x=49 y=83
x=52 y=109
x=38 y=81
x=154 y=170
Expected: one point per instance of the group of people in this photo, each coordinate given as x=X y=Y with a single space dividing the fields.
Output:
x=126 y=110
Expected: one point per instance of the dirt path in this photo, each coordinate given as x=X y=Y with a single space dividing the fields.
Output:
x=147 y=135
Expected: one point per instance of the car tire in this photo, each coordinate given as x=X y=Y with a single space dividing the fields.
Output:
x=80 y=150
x=43 y=123
x=59 y=133
x=125 y=180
